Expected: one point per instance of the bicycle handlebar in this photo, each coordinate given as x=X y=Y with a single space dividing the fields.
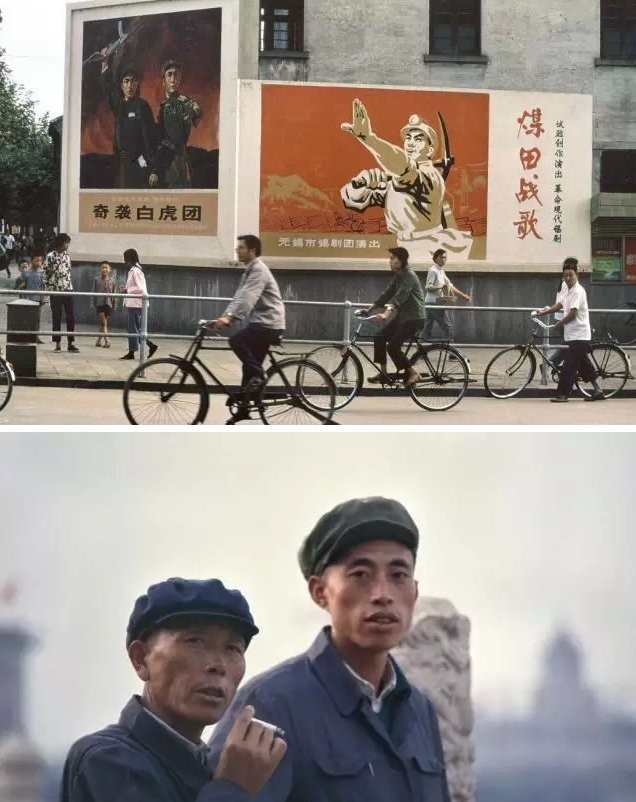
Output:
x=540 y=323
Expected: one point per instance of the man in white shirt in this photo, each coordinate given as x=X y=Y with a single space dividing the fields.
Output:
x=577 y=334
x=136 y=289
x=439 y=289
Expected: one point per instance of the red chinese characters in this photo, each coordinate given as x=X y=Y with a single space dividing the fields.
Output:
x=530 y=124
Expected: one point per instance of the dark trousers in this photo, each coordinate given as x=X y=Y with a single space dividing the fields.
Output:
x=576 y=362
x=59 y=303
x=391 y=339
x=134 y=329
x=251 y=345
x=439 y=316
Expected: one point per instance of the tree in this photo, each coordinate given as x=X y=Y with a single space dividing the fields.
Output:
x=28 y=174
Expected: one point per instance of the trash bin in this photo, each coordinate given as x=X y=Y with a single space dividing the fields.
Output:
x=23 y=315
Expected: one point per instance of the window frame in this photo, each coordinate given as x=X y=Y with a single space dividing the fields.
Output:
x=603 y=178
x=454 y=52
x=296 y=26
x=620 y=26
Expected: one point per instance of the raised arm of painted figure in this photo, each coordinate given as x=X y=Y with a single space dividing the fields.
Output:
x=391 y=158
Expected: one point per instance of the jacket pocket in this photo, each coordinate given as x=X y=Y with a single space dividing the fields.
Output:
x=346 y=778
x=429 y=779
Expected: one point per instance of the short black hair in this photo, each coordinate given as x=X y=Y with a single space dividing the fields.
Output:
x=252 y=242
x=571 y=264
x=438 y=252
x=61 y=239
x=170 y=64
x=131 y=257
x=36 y=254
x=400 y=253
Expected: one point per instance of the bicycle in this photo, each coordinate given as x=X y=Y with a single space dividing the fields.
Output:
x=511 y=370
x=7 y=380
x=172 y=390
x=443 y=371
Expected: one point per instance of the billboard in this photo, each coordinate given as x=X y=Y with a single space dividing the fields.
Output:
x=149 y=145
x=498 y=179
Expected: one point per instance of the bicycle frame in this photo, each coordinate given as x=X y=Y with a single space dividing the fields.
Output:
x=192 y=358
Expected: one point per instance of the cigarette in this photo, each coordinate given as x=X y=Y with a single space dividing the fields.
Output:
x=276 y=730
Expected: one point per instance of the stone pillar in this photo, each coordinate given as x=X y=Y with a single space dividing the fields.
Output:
x=435 y=656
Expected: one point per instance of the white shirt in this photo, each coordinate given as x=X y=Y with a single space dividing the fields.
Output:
x=368 y=690
x=436 y=280
x=559 y=299
x=579 y=328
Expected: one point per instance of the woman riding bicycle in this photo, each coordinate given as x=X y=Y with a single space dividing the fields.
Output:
x=403 y=296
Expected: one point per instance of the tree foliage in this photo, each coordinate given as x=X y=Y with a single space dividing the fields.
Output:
x=28 y=170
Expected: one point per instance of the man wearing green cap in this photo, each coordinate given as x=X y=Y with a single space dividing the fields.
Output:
x=186 y=641
x=357 y=729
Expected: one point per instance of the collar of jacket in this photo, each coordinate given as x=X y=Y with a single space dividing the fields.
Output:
x=339 y=683
x=157 y=739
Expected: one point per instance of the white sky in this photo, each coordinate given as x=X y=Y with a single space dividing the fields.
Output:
x=32 y=32
x=522 y=532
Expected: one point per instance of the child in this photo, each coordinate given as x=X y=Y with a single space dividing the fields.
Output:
x=34 y=280
x=103 y=305
x=20 y=282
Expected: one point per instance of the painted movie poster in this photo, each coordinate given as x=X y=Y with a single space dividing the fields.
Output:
x=150 y=123
x=347 y=172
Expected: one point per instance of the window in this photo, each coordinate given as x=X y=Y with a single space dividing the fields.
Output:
x=282 y=25
x=618 y=171
x=455 y=27
x=618 y=29
x=607 y=259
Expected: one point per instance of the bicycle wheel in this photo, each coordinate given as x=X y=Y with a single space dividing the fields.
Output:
x=171 y=392
x=443 y=377
x=345 y=369
x=613 y=370
x=297 y=392
x=509 y=372
x=6 y=383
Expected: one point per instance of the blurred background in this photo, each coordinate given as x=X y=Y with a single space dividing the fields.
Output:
x=529 y=535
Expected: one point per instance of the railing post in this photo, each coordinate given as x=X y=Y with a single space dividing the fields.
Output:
x=347 y=323
x=144 y=329
x=544 y=350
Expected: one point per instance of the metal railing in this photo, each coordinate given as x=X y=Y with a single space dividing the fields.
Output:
x=347 y=306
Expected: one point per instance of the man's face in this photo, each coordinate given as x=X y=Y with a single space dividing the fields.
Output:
x=172 y=79
x=192 y=673
x=23 y=266
x=105 y=270
x=395 y=263
x=441 y=259
x=570 y=277
x=129 y=86
x=370 y=595
x=243 y=253
x=417 y=146
x=36 y=263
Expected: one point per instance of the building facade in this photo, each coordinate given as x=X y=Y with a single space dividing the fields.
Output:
x=477 y=45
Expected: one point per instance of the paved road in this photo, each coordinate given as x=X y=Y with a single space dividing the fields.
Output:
x=60 y=406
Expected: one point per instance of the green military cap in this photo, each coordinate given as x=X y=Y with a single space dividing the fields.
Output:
x=352 y=523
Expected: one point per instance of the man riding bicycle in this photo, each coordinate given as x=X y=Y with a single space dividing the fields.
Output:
x=258 y=304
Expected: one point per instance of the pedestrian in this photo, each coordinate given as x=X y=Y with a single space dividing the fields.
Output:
x=403 y=302
x=439 y=290
x=103 y=304
x=57 y=278
x=34 y=280
x=10 y=246
x=23 y=267
x=361 y=731
x=135 y=290
x=577 y=334
x=258 y=305
x=186 y=641
x=4 y=259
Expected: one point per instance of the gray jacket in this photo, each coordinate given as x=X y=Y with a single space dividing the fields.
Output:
x=258 y=299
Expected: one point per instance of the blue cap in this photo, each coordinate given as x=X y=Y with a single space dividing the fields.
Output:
x=180 y=597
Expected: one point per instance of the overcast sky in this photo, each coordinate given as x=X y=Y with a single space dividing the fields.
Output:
x=523 y=532
x=32 y=32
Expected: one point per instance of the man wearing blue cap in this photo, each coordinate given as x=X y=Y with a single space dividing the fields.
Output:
x=186 y=640
x=357 y=729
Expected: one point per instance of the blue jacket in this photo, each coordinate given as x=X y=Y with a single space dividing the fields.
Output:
x=339 y=750
x=139 y=760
